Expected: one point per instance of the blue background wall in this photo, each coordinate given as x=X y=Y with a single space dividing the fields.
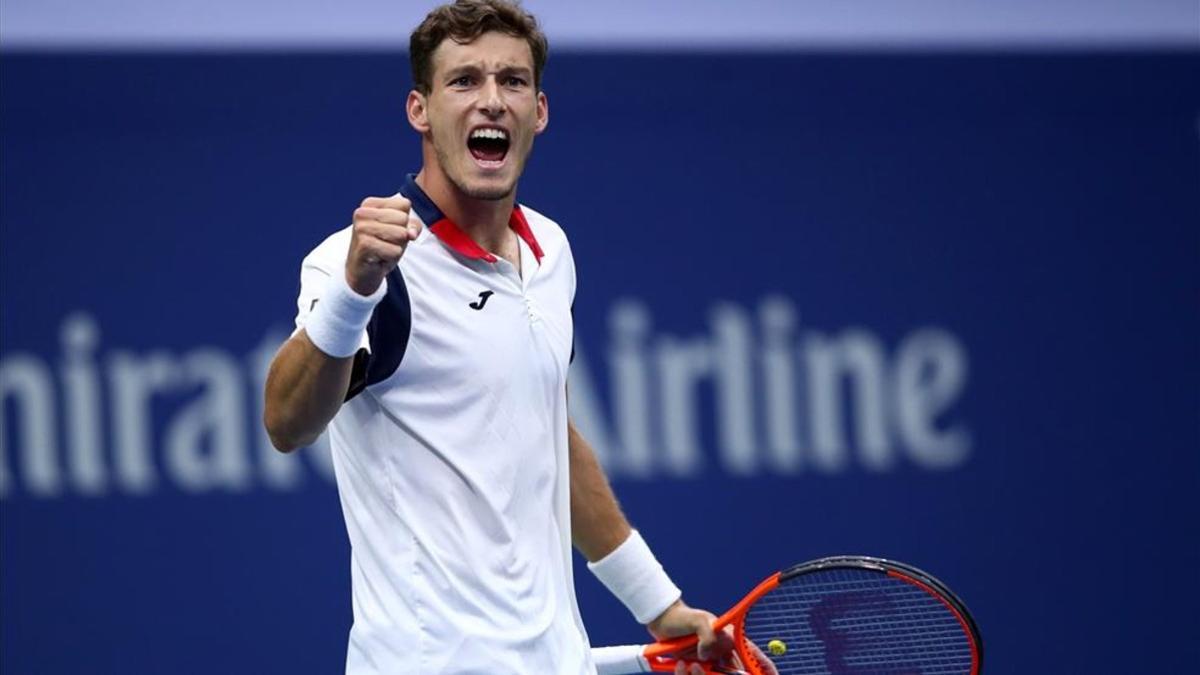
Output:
x=1029 y=222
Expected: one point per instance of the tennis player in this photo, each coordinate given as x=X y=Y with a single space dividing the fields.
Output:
x=433 y=339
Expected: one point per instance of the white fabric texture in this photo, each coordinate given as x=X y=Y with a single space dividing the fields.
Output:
x=620 y=660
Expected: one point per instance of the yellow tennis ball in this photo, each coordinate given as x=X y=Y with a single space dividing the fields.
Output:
x=776 y=647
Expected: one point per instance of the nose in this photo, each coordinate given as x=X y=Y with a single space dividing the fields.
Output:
x=490 y=102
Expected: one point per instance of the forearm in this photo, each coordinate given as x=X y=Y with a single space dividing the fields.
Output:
x=305 y=388
x=616 y=555
x=597 y=525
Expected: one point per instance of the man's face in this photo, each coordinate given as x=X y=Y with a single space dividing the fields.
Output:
x=481 y=113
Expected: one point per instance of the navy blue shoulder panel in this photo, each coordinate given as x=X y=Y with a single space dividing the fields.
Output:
x=427 y=211
x=388 y=333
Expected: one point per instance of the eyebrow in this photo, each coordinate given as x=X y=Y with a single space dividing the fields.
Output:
x=525 y=70
x=477 y=68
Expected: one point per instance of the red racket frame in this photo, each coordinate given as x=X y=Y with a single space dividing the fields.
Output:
x=658 y=655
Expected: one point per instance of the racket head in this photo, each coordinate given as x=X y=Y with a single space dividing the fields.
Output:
x=857 y=615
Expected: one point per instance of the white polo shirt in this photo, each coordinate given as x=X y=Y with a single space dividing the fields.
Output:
x=451 y=455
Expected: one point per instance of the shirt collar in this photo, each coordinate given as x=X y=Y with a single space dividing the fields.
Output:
x=451 y=235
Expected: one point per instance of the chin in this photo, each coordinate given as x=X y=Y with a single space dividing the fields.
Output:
x=487 y=190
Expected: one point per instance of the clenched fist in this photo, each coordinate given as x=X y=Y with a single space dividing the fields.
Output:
x=381 y=232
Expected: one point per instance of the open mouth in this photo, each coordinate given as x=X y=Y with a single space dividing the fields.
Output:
x=488 y=145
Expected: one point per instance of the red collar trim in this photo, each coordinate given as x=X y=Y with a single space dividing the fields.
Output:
x=521 y=226
x=461 y=242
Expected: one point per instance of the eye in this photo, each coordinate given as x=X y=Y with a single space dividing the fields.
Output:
x=514 y=81
x=461 y=81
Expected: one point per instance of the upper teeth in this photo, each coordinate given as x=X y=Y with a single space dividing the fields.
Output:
x=490 y=133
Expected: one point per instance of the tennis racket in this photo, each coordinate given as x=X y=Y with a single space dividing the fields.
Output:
x=846 y=615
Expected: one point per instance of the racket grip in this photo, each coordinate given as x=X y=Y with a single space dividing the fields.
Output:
x=660 y=656
x=620 y=660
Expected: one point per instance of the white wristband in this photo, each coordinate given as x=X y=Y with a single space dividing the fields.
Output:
x=337 y=323
x=634 y=575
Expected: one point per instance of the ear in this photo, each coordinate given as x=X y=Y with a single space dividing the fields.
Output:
x=418 y=113
x=543 y=113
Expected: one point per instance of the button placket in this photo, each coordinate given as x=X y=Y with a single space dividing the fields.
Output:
x=531 y=309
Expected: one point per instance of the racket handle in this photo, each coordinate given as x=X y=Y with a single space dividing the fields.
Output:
x=660 y=657
x=673 y=646
x=620 y=660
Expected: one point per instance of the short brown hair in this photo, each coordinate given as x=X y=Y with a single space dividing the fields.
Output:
x=465 y=20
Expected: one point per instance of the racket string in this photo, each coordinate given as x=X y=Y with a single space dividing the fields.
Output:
x=857 y=622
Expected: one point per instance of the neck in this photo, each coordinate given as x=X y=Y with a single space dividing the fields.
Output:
x=484 y=220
